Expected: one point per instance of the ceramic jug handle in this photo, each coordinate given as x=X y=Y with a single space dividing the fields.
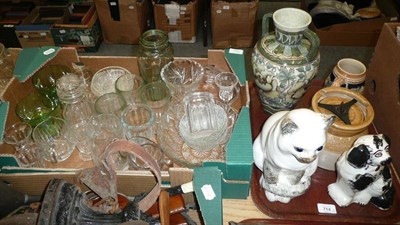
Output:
x=265 y=23
x=314 y=40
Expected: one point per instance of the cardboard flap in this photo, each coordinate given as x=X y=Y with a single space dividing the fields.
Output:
x=382 y=88
x=7 y=160
x=31 y=60
x=359 y=26
x=207 y=186
x=3 y=118
x=236 y=61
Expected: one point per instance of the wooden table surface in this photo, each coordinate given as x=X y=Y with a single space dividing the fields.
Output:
x=240 y=209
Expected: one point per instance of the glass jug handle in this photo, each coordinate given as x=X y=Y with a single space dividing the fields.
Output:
x=265 y=23
x=314 y=40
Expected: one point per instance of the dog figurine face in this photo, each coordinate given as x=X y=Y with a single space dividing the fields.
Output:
x=286 y=151
x=363 y=174
x=377 y=152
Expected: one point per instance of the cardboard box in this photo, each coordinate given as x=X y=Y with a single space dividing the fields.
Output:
x=357 y=33
x=231 y=179
x=78 y=28
x=123 y=22
x=34 y=30
x=382 y=87
x=179 y=21
x=233 y=23
x=11 y=15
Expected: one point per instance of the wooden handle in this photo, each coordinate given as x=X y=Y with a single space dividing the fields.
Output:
x=164 y=208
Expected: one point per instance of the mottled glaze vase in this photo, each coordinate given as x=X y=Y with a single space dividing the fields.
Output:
x=285 y=61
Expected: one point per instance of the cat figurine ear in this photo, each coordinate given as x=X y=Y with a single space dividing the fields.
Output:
x=288 y=126
x=329 y=120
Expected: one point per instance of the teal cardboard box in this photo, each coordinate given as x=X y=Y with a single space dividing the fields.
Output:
x=236 y=170
x=78 y=28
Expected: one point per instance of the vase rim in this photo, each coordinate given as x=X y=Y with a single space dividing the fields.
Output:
x=291 y=19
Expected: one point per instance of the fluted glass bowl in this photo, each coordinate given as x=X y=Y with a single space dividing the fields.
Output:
x=182 y=76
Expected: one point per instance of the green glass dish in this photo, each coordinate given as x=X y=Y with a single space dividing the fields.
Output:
x=35 y=107
x=45 y=79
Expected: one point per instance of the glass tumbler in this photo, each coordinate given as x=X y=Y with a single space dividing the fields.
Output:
x=153 y=149
x=106 y=128
x=154 y=52
x=157 y=96
x=52 y=136
x=226 y=83
x=27 y=152
x=138 y=120
x=127 y=85
x=34 y=108
x=110 y=103
x=80 y=133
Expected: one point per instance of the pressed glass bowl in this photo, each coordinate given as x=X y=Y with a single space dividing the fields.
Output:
x=182 y=76
x=176 y=148
x=103 y=81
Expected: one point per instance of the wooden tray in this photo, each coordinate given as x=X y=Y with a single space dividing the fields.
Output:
x=304 y=208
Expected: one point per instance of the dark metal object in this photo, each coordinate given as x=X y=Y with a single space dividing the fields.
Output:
x=65 y=204
x=341 y=110
x=12 y=199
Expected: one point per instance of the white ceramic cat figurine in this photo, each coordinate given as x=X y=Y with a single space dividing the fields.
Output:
x=286 y=151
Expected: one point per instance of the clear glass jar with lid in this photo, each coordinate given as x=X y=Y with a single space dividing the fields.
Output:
x=72 y=92
x=154 y=52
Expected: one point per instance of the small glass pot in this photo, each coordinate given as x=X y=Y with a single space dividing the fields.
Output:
x=110 y=103
x=154 y=52
x=128 y=85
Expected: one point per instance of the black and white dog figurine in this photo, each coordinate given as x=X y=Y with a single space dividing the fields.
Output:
x=363 y=174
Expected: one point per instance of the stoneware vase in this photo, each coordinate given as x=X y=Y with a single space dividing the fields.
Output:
x=341 y=135
x=285 y=61
x=286 y=151
x=363 y=174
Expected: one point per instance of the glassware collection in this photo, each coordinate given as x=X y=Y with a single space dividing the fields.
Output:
x=176 y=109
